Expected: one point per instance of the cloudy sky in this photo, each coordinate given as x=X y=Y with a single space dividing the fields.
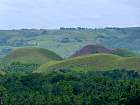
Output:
x=68 y=13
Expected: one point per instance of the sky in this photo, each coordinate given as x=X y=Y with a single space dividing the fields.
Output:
x=16 y=14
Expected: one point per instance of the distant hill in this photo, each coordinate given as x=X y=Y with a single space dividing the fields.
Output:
x=124 y=52
x=96 y=48
x=30 y=55
x=66 y=41
x=94 y=62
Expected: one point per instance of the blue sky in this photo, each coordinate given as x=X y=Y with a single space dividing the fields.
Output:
x=68 y=13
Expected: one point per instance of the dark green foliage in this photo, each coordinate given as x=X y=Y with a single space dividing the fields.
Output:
x=70 y=88
x=118 y=74
x=19 y=67
x=135 y=100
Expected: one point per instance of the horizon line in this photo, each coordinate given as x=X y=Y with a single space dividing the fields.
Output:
x=68 y=28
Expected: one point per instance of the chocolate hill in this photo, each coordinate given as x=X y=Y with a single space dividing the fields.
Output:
x=92 y=49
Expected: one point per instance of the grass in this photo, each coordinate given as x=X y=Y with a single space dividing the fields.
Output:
x=130 y=63
x=31 y=55
x=93 y=62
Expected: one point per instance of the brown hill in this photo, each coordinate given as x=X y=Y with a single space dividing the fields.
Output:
x=92 y=49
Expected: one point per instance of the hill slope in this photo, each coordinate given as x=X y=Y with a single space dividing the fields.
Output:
x=30 y=55
x=94 y=62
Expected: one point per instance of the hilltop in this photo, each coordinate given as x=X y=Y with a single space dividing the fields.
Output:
x=30 y=55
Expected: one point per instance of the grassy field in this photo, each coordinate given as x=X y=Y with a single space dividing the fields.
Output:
x=93 y=62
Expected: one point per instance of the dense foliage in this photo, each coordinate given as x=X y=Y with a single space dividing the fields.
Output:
x=18 y=67
x=117 y=87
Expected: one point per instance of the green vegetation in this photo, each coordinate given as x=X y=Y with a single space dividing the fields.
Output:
x=116 y=87
x=2 y=73
x=130 y=63
x=30 y=56
x=97 y=79
x=93 y=62
x=32 y=75
x=18 y=67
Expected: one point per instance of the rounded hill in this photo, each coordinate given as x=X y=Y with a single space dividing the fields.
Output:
x=89 y=62
x=30 y=55
x=92 y=49
x=93 y=62
x=95 y=49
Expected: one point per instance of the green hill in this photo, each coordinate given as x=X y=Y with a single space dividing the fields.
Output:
x=93 y=62
x=30 y=56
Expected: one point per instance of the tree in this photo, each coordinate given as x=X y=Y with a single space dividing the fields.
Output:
x=133 y=101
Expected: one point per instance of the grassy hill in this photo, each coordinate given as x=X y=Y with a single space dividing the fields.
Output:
x=93 y=62
x=130 y=63
x=30 y=56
